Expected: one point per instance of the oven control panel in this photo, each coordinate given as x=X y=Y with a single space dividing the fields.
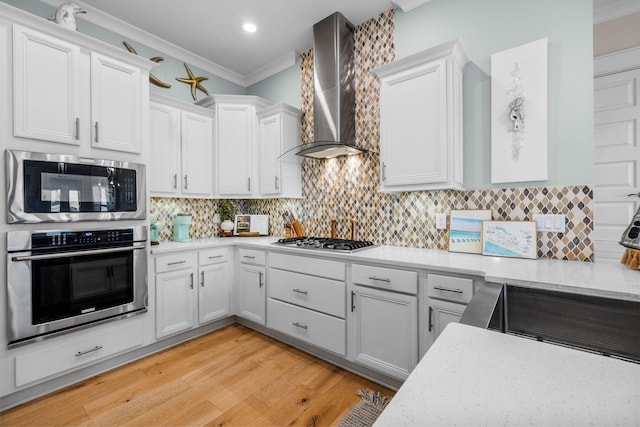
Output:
x=85 y=238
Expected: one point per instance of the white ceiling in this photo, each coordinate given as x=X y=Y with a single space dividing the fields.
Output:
x=212 y=29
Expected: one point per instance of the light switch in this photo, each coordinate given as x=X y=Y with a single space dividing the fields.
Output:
x=441 y=221
x=554 y=223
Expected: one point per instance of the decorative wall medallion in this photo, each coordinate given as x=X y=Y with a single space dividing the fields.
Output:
x=152 y=79
x=194 y=82
x=519 y=113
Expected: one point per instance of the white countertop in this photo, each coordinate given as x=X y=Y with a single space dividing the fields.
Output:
x=476 y=377
x=600 y=279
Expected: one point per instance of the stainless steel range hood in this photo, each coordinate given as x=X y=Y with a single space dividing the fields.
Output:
x=334 y=99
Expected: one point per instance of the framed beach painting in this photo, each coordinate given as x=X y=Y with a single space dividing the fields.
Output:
x=465 y=230
x=514 y=239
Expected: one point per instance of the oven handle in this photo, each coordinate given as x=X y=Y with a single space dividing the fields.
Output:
x=77 y=253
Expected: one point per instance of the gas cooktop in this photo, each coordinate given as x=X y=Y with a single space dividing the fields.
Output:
x=327 y=244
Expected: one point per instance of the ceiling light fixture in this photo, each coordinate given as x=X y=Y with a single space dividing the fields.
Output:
x=249 y=27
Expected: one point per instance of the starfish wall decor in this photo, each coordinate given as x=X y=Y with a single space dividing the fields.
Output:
x=194 y=82
x=153 y=79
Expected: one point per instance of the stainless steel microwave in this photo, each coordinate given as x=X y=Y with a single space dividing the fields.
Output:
x=61 y=188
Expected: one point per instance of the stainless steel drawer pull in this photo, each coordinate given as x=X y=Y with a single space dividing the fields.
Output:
x=97 y=132
x=202 y=279
x=186 y=185
x=175 y=181
x=430 y=318
x=91 y=350
x=380 y=279
x=300 y=291
x=248 y=256
x=191 y=285
x=457 y=291
x=217 y=256
x=299 y=325
x=260 y=274
x=177 y=262
x=77 y=128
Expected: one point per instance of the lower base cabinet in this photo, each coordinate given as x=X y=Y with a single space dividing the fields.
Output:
x=316 y=328
x=252 y=285
x=441 y=313
x=385 y=330
x=191 y=290
x=53 y=360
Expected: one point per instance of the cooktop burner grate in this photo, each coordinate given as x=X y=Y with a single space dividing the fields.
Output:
x=344 y=245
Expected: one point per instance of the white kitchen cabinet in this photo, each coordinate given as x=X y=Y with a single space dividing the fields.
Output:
x=191 y=289
x=46 y=87
x=421 y=120
x=213 y=291
x=181 y=149
x=116 y=104
x=447 y=298
x=175 y=293
x=384 y=323
x=72 y=353
x=252 y=285
x=236 y=143
x=68 y=93
x=307 y=300
x=278 y=135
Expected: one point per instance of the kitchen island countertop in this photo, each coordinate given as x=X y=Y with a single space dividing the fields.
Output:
x=610 y=280
x=473 y=376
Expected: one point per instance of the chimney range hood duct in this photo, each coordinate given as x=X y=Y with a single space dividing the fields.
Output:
x=334 y=98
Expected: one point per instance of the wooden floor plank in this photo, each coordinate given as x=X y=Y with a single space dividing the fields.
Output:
x=234 y=376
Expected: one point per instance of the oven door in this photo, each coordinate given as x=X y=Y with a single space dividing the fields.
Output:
x=59 y=188
x=49 y=293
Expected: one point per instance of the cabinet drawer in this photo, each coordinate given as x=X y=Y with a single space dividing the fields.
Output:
x=315 y=328
x=456 y=289
x=317 y=267
x=174 y=262
x=211 y=256
x=49 y=361
x=316 y=293
x=250 y=256
x=385 y=278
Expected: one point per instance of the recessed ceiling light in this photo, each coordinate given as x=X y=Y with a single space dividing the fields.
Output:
x=249 y=27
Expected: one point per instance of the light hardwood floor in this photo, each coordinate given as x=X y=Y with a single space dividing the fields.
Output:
x=233 y=376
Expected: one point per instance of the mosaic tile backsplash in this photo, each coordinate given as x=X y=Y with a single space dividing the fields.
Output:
x=346 y=188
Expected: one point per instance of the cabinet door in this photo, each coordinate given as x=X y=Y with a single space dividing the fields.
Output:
x=234 y=142
x=413 y=127
x=270 y=150
x=197 y=160
x=384 y=331
x=213 y=292
x=441 y=313
x=116 y=104
x=175 y=302
x=164 y=135
x=253 y=295
x=46 y=87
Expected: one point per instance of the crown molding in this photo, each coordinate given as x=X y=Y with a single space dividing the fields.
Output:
x=606 y=10
x=268 y=70
x=407 y=5
x=118 y=26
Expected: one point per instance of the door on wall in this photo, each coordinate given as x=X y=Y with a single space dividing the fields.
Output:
x=617 y=159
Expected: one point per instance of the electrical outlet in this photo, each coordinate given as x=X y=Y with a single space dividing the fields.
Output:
x=441 y=221
x=550 y=223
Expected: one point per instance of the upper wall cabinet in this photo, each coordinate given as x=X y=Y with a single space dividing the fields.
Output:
x=235 y=135
x=181 y=158
x=71 y=93
x=278 y=133
x=421 y=120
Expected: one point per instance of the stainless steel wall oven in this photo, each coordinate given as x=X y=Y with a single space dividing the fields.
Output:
x=62 y=280
x=60 y=188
